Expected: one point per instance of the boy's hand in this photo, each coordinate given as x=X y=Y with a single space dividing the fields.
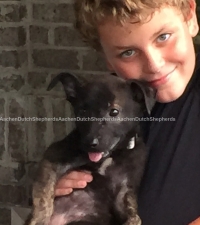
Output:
x=72 y=180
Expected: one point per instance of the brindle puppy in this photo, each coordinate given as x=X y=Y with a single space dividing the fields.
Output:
x=106 y=142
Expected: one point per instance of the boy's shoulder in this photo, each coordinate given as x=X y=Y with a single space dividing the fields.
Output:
x=196 y=75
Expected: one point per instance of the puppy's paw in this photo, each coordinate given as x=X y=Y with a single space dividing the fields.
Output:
x=134 y=221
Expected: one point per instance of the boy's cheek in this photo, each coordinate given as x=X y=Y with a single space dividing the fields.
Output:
x=127 y=69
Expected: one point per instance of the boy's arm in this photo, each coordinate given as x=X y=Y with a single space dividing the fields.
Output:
x=196 y=222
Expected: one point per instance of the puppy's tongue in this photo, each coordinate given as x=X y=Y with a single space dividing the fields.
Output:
x=95 y=156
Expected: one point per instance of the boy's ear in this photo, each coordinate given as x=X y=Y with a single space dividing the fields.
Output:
x=70 y=84
x=143 y=94
x=191 y=20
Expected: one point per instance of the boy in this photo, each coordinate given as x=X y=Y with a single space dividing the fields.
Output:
x=151 y=41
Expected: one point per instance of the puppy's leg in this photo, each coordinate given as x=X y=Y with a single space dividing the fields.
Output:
x=84 y=223
x=131 y=206
x=43 y=194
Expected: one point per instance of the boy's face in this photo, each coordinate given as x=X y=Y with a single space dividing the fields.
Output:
x=159 y=52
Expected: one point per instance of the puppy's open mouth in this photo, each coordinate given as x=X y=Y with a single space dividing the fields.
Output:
x=95 y=156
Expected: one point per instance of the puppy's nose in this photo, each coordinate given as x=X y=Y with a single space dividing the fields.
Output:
x=94 y=143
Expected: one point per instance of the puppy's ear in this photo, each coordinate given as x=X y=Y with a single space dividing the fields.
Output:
x=143 y=94
x=70 y=84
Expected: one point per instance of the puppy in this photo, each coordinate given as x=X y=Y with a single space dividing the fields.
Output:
x=107 y=143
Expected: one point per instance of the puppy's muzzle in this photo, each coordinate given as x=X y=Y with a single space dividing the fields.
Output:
x=94 y=143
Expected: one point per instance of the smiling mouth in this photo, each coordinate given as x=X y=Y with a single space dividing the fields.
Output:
x=160 y=81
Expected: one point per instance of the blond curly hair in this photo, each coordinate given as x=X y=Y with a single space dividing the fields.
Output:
x=91 y=13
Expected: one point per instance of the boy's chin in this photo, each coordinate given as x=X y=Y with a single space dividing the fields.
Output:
x=164 y=96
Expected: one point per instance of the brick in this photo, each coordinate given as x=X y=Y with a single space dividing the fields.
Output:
x=14 y=194
x=19 y=173
x=50 y=12
x=37 y=129
x=39 y=34
x=40 y=108
x=2 y=104
x=8 y=174
x=40 y=128
x=68 y=36
x=31 y=169
x=93 y=61
x=12 y=82
x=14 y=59
x=2 y=139
x=37 y=80
x=15 y=109
x=2 y=127
x=16 y=132
x=12 y=13
x=5 y=216
x=31 y=176
x=53 y=58
x=16 y=141
x=59 y=127
x=12 y=36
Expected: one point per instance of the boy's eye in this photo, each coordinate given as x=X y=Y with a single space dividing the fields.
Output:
x=127 y=53
x=163 y=37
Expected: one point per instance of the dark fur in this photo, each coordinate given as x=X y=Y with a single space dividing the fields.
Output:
x=111 y=198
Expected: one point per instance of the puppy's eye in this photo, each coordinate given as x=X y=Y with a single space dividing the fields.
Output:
x=114 y=112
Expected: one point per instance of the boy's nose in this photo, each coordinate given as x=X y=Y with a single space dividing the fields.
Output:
x=154 y=61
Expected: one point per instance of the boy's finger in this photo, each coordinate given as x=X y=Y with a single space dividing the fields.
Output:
x=74 y=175
x=62 y=192
x=66 y=183
x=68 y=186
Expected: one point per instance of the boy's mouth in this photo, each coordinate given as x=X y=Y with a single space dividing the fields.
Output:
x=164 y=79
